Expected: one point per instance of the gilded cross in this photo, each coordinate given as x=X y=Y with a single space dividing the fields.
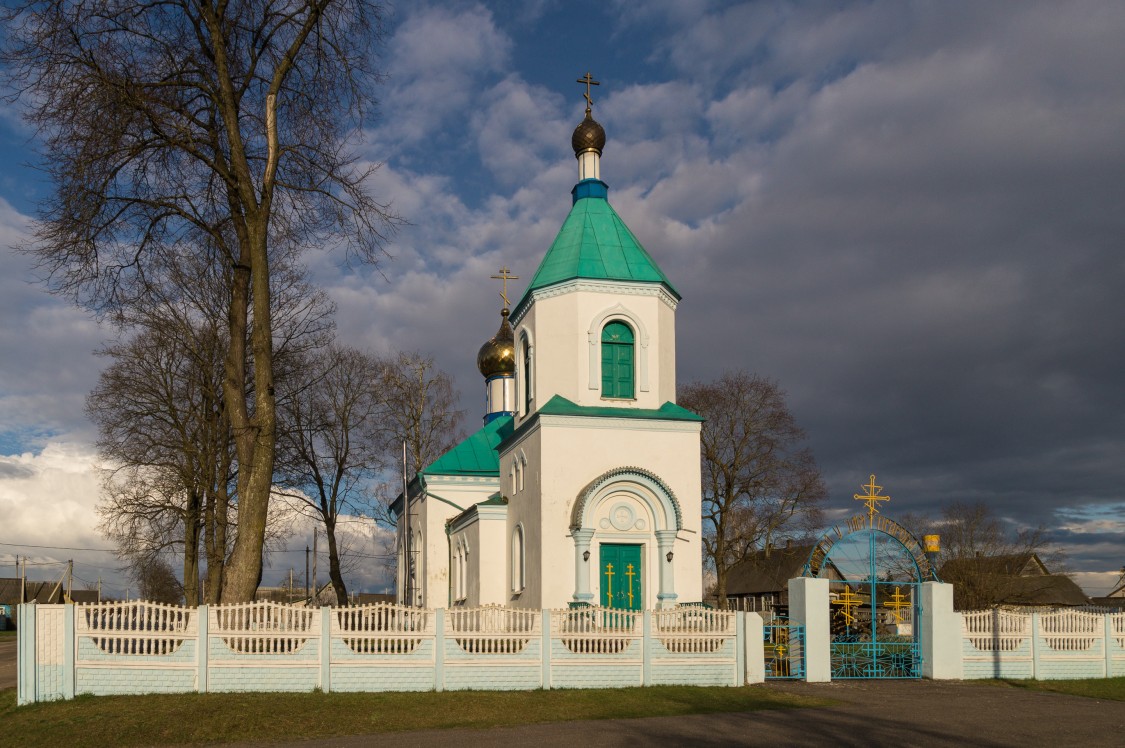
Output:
x=897 y=603
x=589 y=81
x=871 y=498
x=609 y=582
x=505 y=276
x=630 y=573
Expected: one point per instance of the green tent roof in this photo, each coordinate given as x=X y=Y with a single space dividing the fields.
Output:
x=594 y=243
x=477 y=454
x=560 y=406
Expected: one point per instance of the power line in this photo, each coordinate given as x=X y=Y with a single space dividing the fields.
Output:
x=170 y=550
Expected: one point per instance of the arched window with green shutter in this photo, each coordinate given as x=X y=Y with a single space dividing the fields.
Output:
x=617 y=360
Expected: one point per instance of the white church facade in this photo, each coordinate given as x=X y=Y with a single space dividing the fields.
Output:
x=583 y=486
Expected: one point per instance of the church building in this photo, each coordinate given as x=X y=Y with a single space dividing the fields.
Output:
x=583 y=485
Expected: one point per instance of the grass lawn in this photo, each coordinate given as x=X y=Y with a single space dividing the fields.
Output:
x=223 y=718
x=8 y=634
x=1111 y=689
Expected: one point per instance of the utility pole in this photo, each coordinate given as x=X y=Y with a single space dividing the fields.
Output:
x=99 y=588
x=290 y=598
x=315 y=585
x=407 y=575
x=307 y=572
x=23 y=582
x=69 y=579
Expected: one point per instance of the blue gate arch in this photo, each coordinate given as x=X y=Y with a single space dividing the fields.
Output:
x=874 y=566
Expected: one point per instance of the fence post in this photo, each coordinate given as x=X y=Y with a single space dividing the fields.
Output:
x=646 y=648
x=1035 y=646
x=942 y=650
x=203 y=647
x=68 y=652
x=1107 y=634
x=755 y=654
x=26 y=670
x=808 y=606
x=739 y=648
x=326 y=649
x=439 y=649
x=545 y=629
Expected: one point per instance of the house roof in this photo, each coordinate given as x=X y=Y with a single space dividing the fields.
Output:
x=594 y=243
x=1050 y=590
x=759 y=573
x=1009 y=564
x=475 y=455
x=41 y=592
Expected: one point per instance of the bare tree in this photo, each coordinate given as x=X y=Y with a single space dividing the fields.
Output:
x=330 y=448
x=988 y=563
x=418 y=404
x=156 y=582
x=213 y=130
x=162 y=421
x=760 y=484
x=159 y=411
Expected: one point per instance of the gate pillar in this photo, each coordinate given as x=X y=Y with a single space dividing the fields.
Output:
x=941 y=633
x=808 y=606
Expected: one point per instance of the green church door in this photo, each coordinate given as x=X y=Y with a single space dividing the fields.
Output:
x=621 y=577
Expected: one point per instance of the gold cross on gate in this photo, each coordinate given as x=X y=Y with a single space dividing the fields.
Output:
x=630 y=573
x=871 y=498
x=589 y=81
x=609 y=582
x=505 y=276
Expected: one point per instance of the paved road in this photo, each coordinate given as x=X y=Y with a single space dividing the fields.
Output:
x=871 y=713
x=8 y=662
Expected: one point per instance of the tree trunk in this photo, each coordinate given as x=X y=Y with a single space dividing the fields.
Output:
x=334 y=565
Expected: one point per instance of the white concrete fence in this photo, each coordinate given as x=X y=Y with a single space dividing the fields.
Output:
x=139 y=647
x=1043 y=645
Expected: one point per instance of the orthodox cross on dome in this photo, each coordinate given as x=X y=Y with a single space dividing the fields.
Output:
x=589 y=81
x=505 y=276
x=871 y=498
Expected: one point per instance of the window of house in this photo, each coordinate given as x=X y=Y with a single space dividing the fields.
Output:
x=618 y=357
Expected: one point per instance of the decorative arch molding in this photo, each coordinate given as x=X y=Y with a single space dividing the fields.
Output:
x=594 y=338
x=588 y=497
x=861 y=523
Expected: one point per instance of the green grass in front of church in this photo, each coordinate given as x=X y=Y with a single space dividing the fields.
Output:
x=1109 y=689
x=188 y=719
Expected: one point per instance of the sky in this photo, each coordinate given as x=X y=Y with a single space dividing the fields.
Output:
x=909 y=214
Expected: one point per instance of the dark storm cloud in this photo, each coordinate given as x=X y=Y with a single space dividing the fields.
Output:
x=932 y=266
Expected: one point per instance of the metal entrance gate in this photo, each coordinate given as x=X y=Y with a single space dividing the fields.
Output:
x=875 y=569
x=784 y=647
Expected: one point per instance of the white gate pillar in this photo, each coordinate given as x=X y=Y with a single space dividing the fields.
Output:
x=941 y=633
x=808 y=606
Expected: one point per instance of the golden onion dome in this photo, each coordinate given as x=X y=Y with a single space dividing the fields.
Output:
x=498 y=355
x=589 y=135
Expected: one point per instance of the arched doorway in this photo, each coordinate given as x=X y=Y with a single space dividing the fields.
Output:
x=624 y=525
x=875 y=568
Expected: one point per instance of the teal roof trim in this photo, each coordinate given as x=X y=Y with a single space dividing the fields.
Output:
x=560 y=406
x=595 y=244
x=477 y=454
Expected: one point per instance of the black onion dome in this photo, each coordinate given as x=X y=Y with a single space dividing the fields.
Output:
x=498 y=355
x=589 y=134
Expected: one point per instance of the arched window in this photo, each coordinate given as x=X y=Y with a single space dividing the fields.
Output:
x=526 y=374
x=617 y=360
x=518 y=564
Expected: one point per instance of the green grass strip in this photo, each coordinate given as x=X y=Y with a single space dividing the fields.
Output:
x=187 y=719
x=1110 y=689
